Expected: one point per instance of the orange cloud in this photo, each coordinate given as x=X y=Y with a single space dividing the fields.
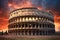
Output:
x=57 y=26
x=0 y=11
x=57 y=22
x=3 y=22
x=21 y=5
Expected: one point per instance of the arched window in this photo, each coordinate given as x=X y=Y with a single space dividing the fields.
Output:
x=33 y=25
x=26 y=19
x=19 y=25
x=23 y=19
x=36 y=25
x=25 y=25
x=36 y=32
x=43 y=25
x=30 y=19
x=33 y=18
x=22 y=25
x=33 y=32
x=25 y=32
x=36 y=18
x=16 y=26
x=22 y=32
x=29 y=32
x=40 y=25
x=29 y=25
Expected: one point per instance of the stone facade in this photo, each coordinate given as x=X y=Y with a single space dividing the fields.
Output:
x=31 y=21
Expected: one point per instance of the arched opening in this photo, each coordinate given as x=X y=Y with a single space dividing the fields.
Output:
x=25 y=32
x=29 y=32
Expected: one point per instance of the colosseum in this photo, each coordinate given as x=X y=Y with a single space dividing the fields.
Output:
x=31 y=21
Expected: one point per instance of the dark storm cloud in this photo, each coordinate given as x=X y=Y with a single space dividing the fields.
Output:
x=50 y=4
x=53 y=5
x=36 y=2
x=3 y=7
x=3 y=4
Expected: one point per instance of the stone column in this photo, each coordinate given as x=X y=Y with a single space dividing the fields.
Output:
x=20 y=32
x=35 y=25
x=38 y=26
x=45 y=32
x=21 y=26
x=24 y=26
x=35 y=32
x=38 y=32
x=31 y=26
x=18 y=26
x=31 y=33
x=28 y=27
x=27 y=33
x=24 y=32
x=41 y=32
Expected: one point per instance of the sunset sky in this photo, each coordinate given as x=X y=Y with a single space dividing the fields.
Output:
x=7 y=6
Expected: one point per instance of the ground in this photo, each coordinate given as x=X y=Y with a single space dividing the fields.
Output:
x=30 y=37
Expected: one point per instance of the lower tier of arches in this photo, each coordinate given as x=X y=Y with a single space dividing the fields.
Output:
x=31 y=32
